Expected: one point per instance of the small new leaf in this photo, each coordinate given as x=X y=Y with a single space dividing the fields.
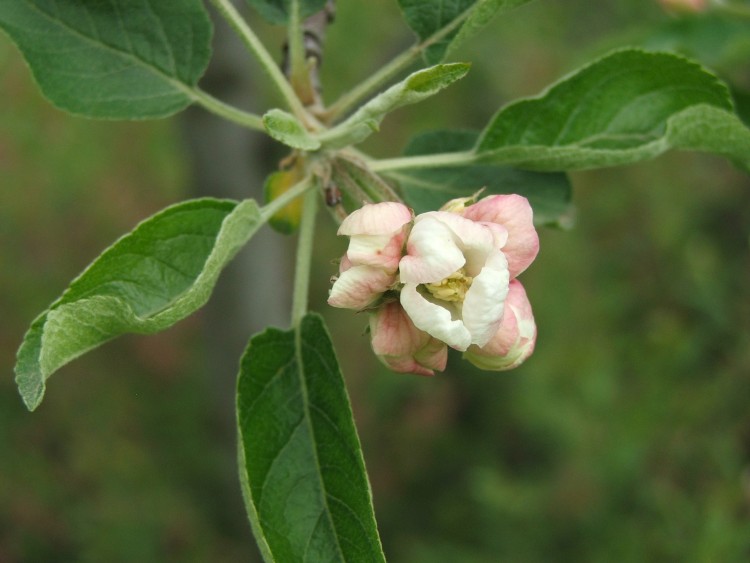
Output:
x=415 y=88
x=148 y=280
x=287 y=129
x=626 y=107
x=300 y=461
x=120 y=59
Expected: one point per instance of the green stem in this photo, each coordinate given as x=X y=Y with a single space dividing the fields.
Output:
x=391 y=69
x=298 y=73
x=387 y=72
x=254 y=45
x=267 y=211
x=303 y=267
x=427 y=161
x=231 y=113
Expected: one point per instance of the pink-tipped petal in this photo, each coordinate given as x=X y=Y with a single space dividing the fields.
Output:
x=376 y=219
x=514 y=340
x=359 y=286
x=382 y=251
x=433 y=355
x=402 y=346
x=515 y=214
x=434 y=319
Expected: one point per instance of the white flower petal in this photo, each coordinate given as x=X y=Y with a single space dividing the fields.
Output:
x=476 y=240
x=434 y=319
x=483 y=306
x=432 y=254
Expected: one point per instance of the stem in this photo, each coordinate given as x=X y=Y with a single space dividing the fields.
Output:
x=427 y=161
x=231 y=113
x=270 y=209
x=254 y=45
x=351 y=98
x=304 y=257
x=297 y=71
x=398 y=64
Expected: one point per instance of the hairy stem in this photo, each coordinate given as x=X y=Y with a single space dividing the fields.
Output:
x=230 y=113
x=303 y=267
x=296 y=60
x=386 y=73
x=254 y=45
x=426 y=161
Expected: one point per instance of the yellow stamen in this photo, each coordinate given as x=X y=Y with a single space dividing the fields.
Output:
x=452 y=288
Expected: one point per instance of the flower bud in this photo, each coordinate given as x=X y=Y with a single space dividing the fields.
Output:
x=403 y=347
x=368 y=269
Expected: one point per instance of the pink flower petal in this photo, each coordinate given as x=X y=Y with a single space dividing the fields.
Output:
x=383 y=251
x=376 y=219
x=359 y=286
x=402 y=346
x=514 y=340
x=515 y=214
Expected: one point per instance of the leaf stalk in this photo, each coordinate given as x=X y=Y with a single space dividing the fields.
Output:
x=303 y=266
x=256 y=47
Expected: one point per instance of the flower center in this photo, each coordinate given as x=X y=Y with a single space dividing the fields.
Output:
x=452 y=288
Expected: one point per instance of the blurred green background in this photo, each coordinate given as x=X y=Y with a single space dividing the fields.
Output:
x=626 y=437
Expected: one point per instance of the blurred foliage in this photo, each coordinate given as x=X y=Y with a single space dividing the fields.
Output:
x=626 y=437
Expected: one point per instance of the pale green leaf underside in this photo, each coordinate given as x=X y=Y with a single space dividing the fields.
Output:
x=446 y=23
x=301 y=465
x=428 y=189
x=114 y=59
x=287 y=129
x=149 y=279
x=416 y=87
x=626 y=107
x=278 y=11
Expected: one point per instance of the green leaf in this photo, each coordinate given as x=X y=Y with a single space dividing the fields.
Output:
x=287 y=129
x=626 y=107
x=301 y=465
x=278 y=11
x=427 y=189
x=114 y=59
x=445 y=23
x=149 y=279
x=414 y=88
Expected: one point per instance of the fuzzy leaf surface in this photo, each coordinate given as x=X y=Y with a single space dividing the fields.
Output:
x=278 y=11
x=427 y=189
x=112 y=59
x=626 y=107
x=416 y=87
x=448 y=22
x=148 y=280
x=287 y=129
x=300 y=461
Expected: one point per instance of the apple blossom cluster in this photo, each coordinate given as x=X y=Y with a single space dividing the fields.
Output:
x=442 y=278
